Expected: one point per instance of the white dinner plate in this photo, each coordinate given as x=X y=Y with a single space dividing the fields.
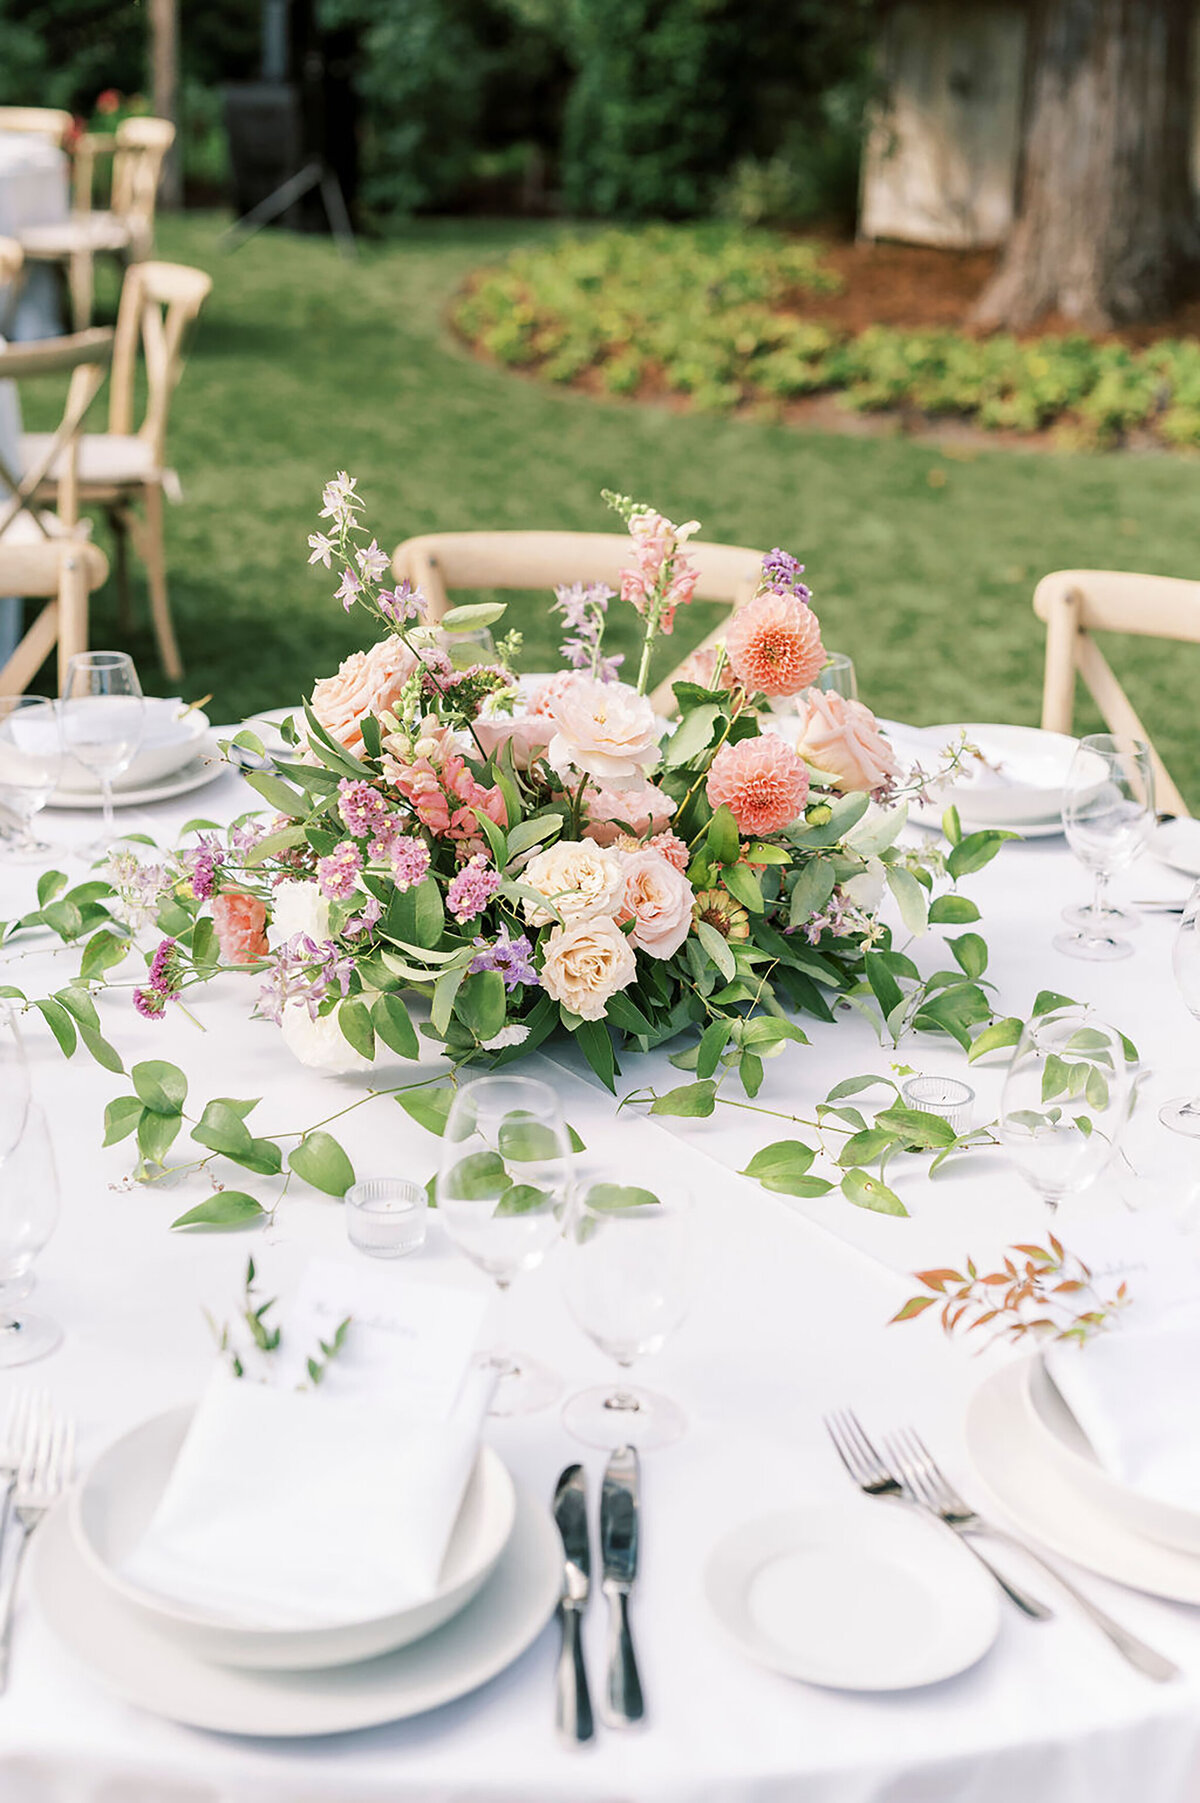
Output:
x=930 y=815
x=1017 y=1472
x=113 y=1506
x=194 y=775
x=1020 y=785
x=136 y=1663
x=1177 y=843
x=860 y=1597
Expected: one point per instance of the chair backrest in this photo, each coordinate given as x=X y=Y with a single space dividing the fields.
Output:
x=158 y=303
x=141 y=147
x=86 y=355
x=1077 y=603
x=441 y=561
x=38 y=121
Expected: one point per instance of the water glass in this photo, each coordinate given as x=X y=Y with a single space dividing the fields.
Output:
x=14 y=1081
x=103 y=719
x=501 y=1188
x=386 y=1216
x=837 y=676
x=1065 y=1103
x=1183 y=1114
x=1108 y=812
x=30 y=762
x=626 y=1276
x=28 y=1216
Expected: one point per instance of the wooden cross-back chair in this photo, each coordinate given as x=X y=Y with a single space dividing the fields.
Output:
x=1075 y=604
x=39 y=122
x=125 y=228
x=125 y=470
x=49 y=557
x=440 y=562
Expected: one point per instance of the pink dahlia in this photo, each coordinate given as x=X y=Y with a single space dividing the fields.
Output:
x=762 y=782
x=774 y=645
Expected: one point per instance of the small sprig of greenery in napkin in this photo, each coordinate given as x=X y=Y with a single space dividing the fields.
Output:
x=252 y=1319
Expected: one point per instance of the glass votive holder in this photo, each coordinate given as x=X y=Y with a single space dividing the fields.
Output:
x=944 y=1096
x=386 y=1216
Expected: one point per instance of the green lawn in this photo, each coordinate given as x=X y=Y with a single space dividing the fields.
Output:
x=303 y=364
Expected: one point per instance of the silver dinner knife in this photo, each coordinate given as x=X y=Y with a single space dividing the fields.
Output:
x=573 y=1705
x=619 y=1554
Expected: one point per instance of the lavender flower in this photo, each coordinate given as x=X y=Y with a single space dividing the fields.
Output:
x=138 y=888
x=401 y=604
x=149 y=1004
x=473 y=888
x=361 y=807
x=781 y=574
x=348 y=589
x=338 y=873
x=320 y=547
x=410 y=861
x=583 y=608
x=165 y=970
x=202 y=863
x=362 y=922
x=372 y=562
x=513 y=958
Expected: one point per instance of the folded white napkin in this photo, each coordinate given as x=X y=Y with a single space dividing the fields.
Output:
x=306 y=1508
x=1136 y=1395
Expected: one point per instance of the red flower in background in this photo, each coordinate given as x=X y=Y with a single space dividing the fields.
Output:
x=109 y=101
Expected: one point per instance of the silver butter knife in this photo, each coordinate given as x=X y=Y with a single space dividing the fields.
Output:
x=573 y=1704
x=619 y=1553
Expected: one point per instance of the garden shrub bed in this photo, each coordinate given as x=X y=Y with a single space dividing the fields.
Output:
x=727 y=319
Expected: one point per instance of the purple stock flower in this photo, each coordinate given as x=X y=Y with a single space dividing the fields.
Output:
x=164 y=969
x=781 y=573
x=202 y=864
x=473 y=888
x=410 y=861
x=338 y=873
x=513 y=958
x=361 y=807
x=149 y=1004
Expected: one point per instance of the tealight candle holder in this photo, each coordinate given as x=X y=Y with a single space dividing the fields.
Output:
x=386 y=1216
x=943 y=1096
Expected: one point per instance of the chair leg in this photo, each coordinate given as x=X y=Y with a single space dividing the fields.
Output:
x=154 y=552
x=81 y=279
x=72 y=612
x=118 y=521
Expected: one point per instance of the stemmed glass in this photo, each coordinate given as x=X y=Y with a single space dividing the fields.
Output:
x=837 y=676
x=28 y=1216
x=501 y=1187
x=1065 y=1103
x=30 y=761
x=1108 y=811
x=14 y=1082
x=626 y=1276
x=1183 y=1114
x=103 y=718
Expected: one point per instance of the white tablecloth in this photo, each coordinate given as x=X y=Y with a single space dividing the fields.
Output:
x=33 y=191
x=789 y=1321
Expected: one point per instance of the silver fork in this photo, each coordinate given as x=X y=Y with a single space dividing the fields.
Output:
x=46 y=1459
x=18 y=1414
x=920 y=1472
x=873 y=1477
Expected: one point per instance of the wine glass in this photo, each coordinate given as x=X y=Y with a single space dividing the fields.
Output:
x=14 y=1081
x=28 y=1216
x=1183 y=1114
x=103 y=718
x=1108 y=811
x=30 y=761
x=501 y=1187
x=626 y=1275
x=1065 y=1103
x=837 y=676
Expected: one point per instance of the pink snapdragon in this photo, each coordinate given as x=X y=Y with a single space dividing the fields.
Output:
x=663 y=577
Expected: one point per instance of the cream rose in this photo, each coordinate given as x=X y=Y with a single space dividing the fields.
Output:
x=298 y=908
x=643 y=808
x=841 y=737
x=320 y=1043
x=587 y=963
x=528 y=734
x=605 y=729
x=580 y=879
x=659 y=899
x=367 y=682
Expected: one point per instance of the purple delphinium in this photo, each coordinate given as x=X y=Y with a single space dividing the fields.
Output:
x=305 y=970
x=781 y=573
x=348 y=589
x=584 y=607
x=402 y=603
x=513 y=958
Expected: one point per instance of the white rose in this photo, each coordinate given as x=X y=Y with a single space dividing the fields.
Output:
x=298 y=908
x=586 y=964
x=606 y=729
x=580 y=878
x=866 y=889
x=320 y=1043
x=660 y=899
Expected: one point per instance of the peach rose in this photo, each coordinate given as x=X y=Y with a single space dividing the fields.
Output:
x=367 y=682
x=658 y=899
x=527 y=733
x=642 y=808
x=587 y=963
x=605 y=729
x=579 y=878
x=240 y=921
x=842 y=737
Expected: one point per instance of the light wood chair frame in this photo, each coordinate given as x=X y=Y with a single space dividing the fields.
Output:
x=441 y=562
x=56 y=562
x=1076 y=604
x=38 y=122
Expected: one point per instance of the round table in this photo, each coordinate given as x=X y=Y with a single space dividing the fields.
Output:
x=789 y=1320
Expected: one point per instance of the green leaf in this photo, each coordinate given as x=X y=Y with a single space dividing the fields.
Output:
x=577 y=1144
x=596 y=1045
x=970 y=954
x=534 y=831
x=952 y=911
x=750 y=1070
x=917 y=1130
x=521 y=1199
x=781 y=1166
x=63 y=918
x=274 y=843
x=262 y=1156
x=952 y=825
x=689 y=1100
x=394 y=1026
x=50 y=884
x=80 y=1006
x=1055 y=1077
x=206 y=952
x=320 y=1161
x=1096 y=1089
x=162 y=1086
x=472 y=615
x=713 y=1041
x=222 y=1129
x=954 y=1011
x=1049 y=1002
x=282 y=797
x=1001 y=1033
x=228 y=1208
x=853 y=1086
x=476 y=1178
x=156 y=1133
x=884 y=987
x=721 y=840
x=691 y=736
x=354 y=1019
x=866 y=1191
x=910 y=898
x=975 y=850
x=101 y=1050
x=867 y=1146
x=121 y=1118
x=428 y=1106
x=59 y=1023
x=494 y=836
x=610 y=1198
x=717 y=947
x=527 y=1141
x=1088 y=1039
x=744 y=887
x=445 y=994
x=372 y=739
x=482 y=1004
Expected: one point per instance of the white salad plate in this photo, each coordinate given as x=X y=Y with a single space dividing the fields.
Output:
x=196 y=774
x=1020 y=785
x=859 y=1597
x=113 y=1506
x=172 y=736
x=134 y=1661
x=1019 y=1472
x=1177 y=844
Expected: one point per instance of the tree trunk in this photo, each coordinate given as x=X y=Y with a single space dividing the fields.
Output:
x=1106 y=228
x=164 y=72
